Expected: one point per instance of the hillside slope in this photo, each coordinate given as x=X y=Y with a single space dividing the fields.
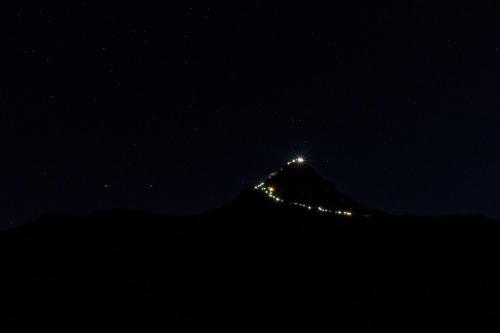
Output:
x=268 y=270
x=257 y=265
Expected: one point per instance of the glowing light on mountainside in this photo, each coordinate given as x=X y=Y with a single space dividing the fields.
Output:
x=271 y=191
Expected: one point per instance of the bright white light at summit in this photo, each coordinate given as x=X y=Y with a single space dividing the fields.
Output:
x=298 y=160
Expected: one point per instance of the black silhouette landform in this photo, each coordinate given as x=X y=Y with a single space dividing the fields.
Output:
x=288 y=254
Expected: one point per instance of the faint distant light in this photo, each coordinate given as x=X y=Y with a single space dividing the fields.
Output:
x=259 y=186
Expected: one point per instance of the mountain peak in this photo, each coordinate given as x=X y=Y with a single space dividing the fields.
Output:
x=296 y=183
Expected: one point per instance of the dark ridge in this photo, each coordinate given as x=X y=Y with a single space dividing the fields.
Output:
x=300 y=183
x=252 y=266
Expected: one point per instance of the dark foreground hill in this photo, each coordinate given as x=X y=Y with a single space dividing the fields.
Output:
x=253 y=266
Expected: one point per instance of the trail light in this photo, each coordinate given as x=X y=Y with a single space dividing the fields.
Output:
x=270 y=192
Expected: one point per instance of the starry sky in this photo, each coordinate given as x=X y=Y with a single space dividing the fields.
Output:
x=175 y=108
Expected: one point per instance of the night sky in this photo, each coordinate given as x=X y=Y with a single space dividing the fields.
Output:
x=177 y=108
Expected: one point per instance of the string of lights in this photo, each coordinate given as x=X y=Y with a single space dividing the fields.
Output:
x=270 y=192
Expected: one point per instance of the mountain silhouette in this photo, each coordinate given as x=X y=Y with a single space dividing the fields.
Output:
x=257 y=264
x=298 y=184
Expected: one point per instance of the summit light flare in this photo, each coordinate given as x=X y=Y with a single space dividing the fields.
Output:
x=297 y=160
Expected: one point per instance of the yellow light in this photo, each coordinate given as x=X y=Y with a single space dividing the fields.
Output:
x=271 y=189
